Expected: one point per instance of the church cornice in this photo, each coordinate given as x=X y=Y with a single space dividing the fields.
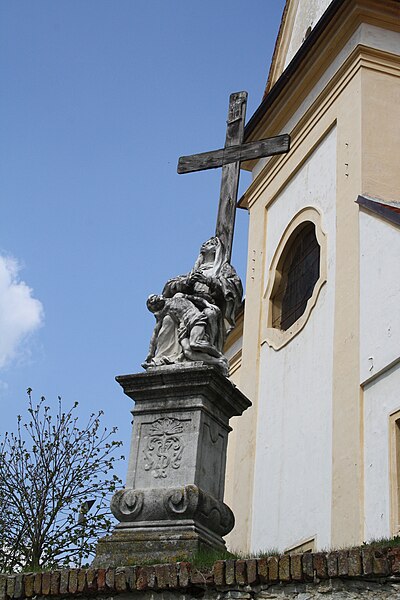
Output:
x=328 y=37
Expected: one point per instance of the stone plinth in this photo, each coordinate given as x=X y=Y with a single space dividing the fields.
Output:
x=173 y=500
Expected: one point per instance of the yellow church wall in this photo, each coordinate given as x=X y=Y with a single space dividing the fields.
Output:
x=381 y=126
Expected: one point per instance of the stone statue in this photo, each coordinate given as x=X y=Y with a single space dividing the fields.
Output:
x=196 y=312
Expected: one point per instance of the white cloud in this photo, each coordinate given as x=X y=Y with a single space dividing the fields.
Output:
x=20 y=313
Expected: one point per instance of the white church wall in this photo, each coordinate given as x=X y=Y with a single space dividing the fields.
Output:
x=307 y=15
x=379 y=362
x=379 y=294
x=295 y=413
x=381 y=398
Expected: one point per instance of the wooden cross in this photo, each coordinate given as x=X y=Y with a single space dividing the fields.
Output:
x=229 y=158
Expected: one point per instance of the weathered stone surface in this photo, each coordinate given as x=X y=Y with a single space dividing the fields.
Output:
x=196 y=311
x=308 y=567
x=91 y=580
x=173 y=504
x=219 y=572
x=262 y=570
x=332 y=564
x=131 y=577
x=296 y=571
x=394 y=560
x=319 y=562
x=284 y=567
x=10 y=588
x=367 y=561
x=55 y=583
x=64 y=582
x=19 y=586
x=101 y=580
x=184 y=574
x=29 y=579
x=120 y=580
x=251 y=568
x=355 y=567
x=3 y=587
x=273 y=568
x=241 y=572
x=230 y=572
x=141 y=579
x=380 y=563
x=37 y=585
x=81 y=581
x=73 y=581
x=343 y=563
x=46 y=583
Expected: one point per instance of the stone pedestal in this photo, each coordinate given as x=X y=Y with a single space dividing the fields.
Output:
x=173 y=501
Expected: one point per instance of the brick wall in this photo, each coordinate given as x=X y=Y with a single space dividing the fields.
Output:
x=373 y=570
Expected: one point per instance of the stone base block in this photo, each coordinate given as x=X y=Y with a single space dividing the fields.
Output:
x=128 y=546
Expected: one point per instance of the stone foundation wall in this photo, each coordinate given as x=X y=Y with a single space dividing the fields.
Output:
x=358 y=573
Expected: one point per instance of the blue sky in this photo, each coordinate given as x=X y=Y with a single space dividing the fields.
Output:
x=98 y=100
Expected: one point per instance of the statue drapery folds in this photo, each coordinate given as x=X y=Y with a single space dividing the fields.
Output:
x=195 y=312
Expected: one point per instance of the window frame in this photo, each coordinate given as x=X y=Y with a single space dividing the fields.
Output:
x=277 y=338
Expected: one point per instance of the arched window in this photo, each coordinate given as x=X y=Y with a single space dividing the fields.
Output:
x=296 y=275
x=299 y=271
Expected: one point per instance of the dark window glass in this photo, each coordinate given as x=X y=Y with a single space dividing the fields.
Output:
x=300 y=273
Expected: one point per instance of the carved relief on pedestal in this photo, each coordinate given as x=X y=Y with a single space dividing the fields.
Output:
x=171 y=505
x=126 y=505
x=164 y=447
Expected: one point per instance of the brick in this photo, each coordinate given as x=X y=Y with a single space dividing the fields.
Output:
x=120 y=580
x=262 y=570
x=81 y=581
x=130 y=574
x=29 y=579
x=19 y=586
x=197 y=577
x=101 y=579
x=219 y=572
x=10 y=586
x=151 y=578
x=273 y=570
x=3 y=587
x=240 y=572
x=380 y=564
x=64 y=582
x=55 y=583
x=394 y=560
x=110 y=579
x=91 y=580
x=173 y=576
x=343 y=563
x=355 y=567
x=251 y=568
x=46 y=583
x=230 y=572
x=73 y=581
x=37 y=584
x=284 y=567
x=308 y=568
x=184 y=574
x=296 y=571
x=332 y=564
x=141 y=579
x=162 y=576
x=367 y=556
x=319 y=562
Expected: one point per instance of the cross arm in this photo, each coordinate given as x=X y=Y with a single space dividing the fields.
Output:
x=230 y=154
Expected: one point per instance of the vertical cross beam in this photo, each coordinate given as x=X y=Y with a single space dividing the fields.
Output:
x=230 y=172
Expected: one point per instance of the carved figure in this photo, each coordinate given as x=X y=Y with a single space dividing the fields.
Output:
x=196 y=311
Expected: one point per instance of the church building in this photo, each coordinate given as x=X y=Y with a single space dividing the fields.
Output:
x=315 y=463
